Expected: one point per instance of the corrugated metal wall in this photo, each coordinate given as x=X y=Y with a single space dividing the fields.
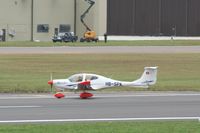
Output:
x=146 y=17
x=194 y=17
x=154 y=17
x=174 y=17
x=120 y=17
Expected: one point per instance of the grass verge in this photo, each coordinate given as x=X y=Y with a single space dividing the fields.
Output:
x=109 y=43
x=30 y=73
x=106 y=127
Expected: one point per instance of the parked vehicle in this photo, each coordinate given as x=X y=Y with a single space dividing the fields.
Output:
x=89 y=35
x=65 y=37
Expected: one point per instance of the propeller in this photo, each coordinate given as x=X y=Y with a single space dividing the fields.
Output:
x=50 y=82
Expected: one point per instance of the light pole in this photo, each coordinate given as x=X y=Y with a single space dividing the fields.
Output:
x=75 y=15
x=32 y=6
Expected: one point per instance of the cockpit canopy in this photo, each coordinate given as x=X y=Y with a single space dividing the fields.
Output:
x=76 y=78
x=82 y=77
x=89 y=77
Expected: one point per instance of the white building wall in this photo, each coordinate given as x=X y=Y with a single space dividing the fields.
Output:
x=15 y=17
x=96 y=19
x=54 y=13
x=100 y=19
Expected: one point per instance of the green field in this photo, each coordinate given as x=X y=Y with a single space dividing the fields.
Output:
x=30 y=73
x=106 y=127
x=109 y=43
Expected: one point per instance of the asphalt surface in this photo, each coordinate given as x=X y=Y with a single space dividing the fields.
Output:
x=102 y=106
x=99 y=49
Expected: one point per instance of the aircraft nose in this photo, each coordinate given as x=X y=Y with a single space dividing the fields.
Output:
x=50 y=82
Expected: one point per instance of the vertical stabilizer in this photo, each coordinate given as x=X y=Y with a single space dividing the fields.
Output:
x=149 y=77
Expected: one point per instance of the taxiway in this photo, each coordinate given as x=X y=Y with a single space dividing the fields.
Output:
x=100 y=50
x=45 y=108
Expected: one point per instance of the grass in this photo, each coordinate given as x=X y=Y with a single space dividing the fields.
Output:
x=109 y=43
x=106 y=127
x=30 y=73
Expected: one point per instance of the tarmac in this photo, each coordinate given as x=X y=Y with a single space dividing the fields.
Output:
x=100 y=50
x=102 y=107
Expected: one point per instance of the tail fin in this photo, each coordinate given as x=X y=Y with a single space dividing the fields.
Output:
x=149 y=77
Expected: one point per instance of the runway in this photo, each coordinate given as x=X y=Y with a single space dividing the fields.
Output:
x=112 y=106
x=100 y=50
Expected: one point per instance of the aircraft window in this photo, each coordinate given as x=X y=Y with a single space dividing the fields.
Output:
x=76 y=78
x=90 y=77
x=94 y=77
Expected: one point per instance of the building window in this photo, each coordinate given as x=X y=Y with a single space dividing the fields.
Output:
x=43 y=28
x=64 y=28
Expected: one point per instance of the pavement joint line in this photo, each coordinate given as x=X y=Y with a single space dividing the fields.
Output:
x=7 y=107
x=101 y=119
x=98 y=96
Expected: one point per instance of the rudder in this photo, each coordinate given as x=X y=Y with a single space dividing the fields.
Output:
x=149 y=77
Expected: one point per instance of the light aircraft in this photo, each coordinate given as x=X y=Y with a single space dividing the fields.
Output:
x=86 y=82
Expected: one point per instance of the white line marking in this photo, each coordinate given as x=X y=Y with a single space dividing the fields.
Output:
x=100 y=95
x=103 y=119
x=27 y=97
x=149 y=95
x=7 y=107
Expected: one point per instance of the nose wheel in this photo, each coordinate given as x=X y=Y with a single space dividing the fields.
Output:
x=59 y=95
x=86 y=95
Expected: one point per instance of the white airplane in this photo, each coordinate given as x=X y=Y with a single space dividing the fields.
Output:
x=86 y=82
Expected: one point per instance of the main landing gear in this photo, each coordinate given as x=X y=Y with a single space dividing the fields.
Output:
x=84 y=95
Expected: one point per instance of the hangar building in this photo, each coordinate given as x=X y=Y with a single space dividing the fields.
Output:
x=25 y=20
x=154 y=17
